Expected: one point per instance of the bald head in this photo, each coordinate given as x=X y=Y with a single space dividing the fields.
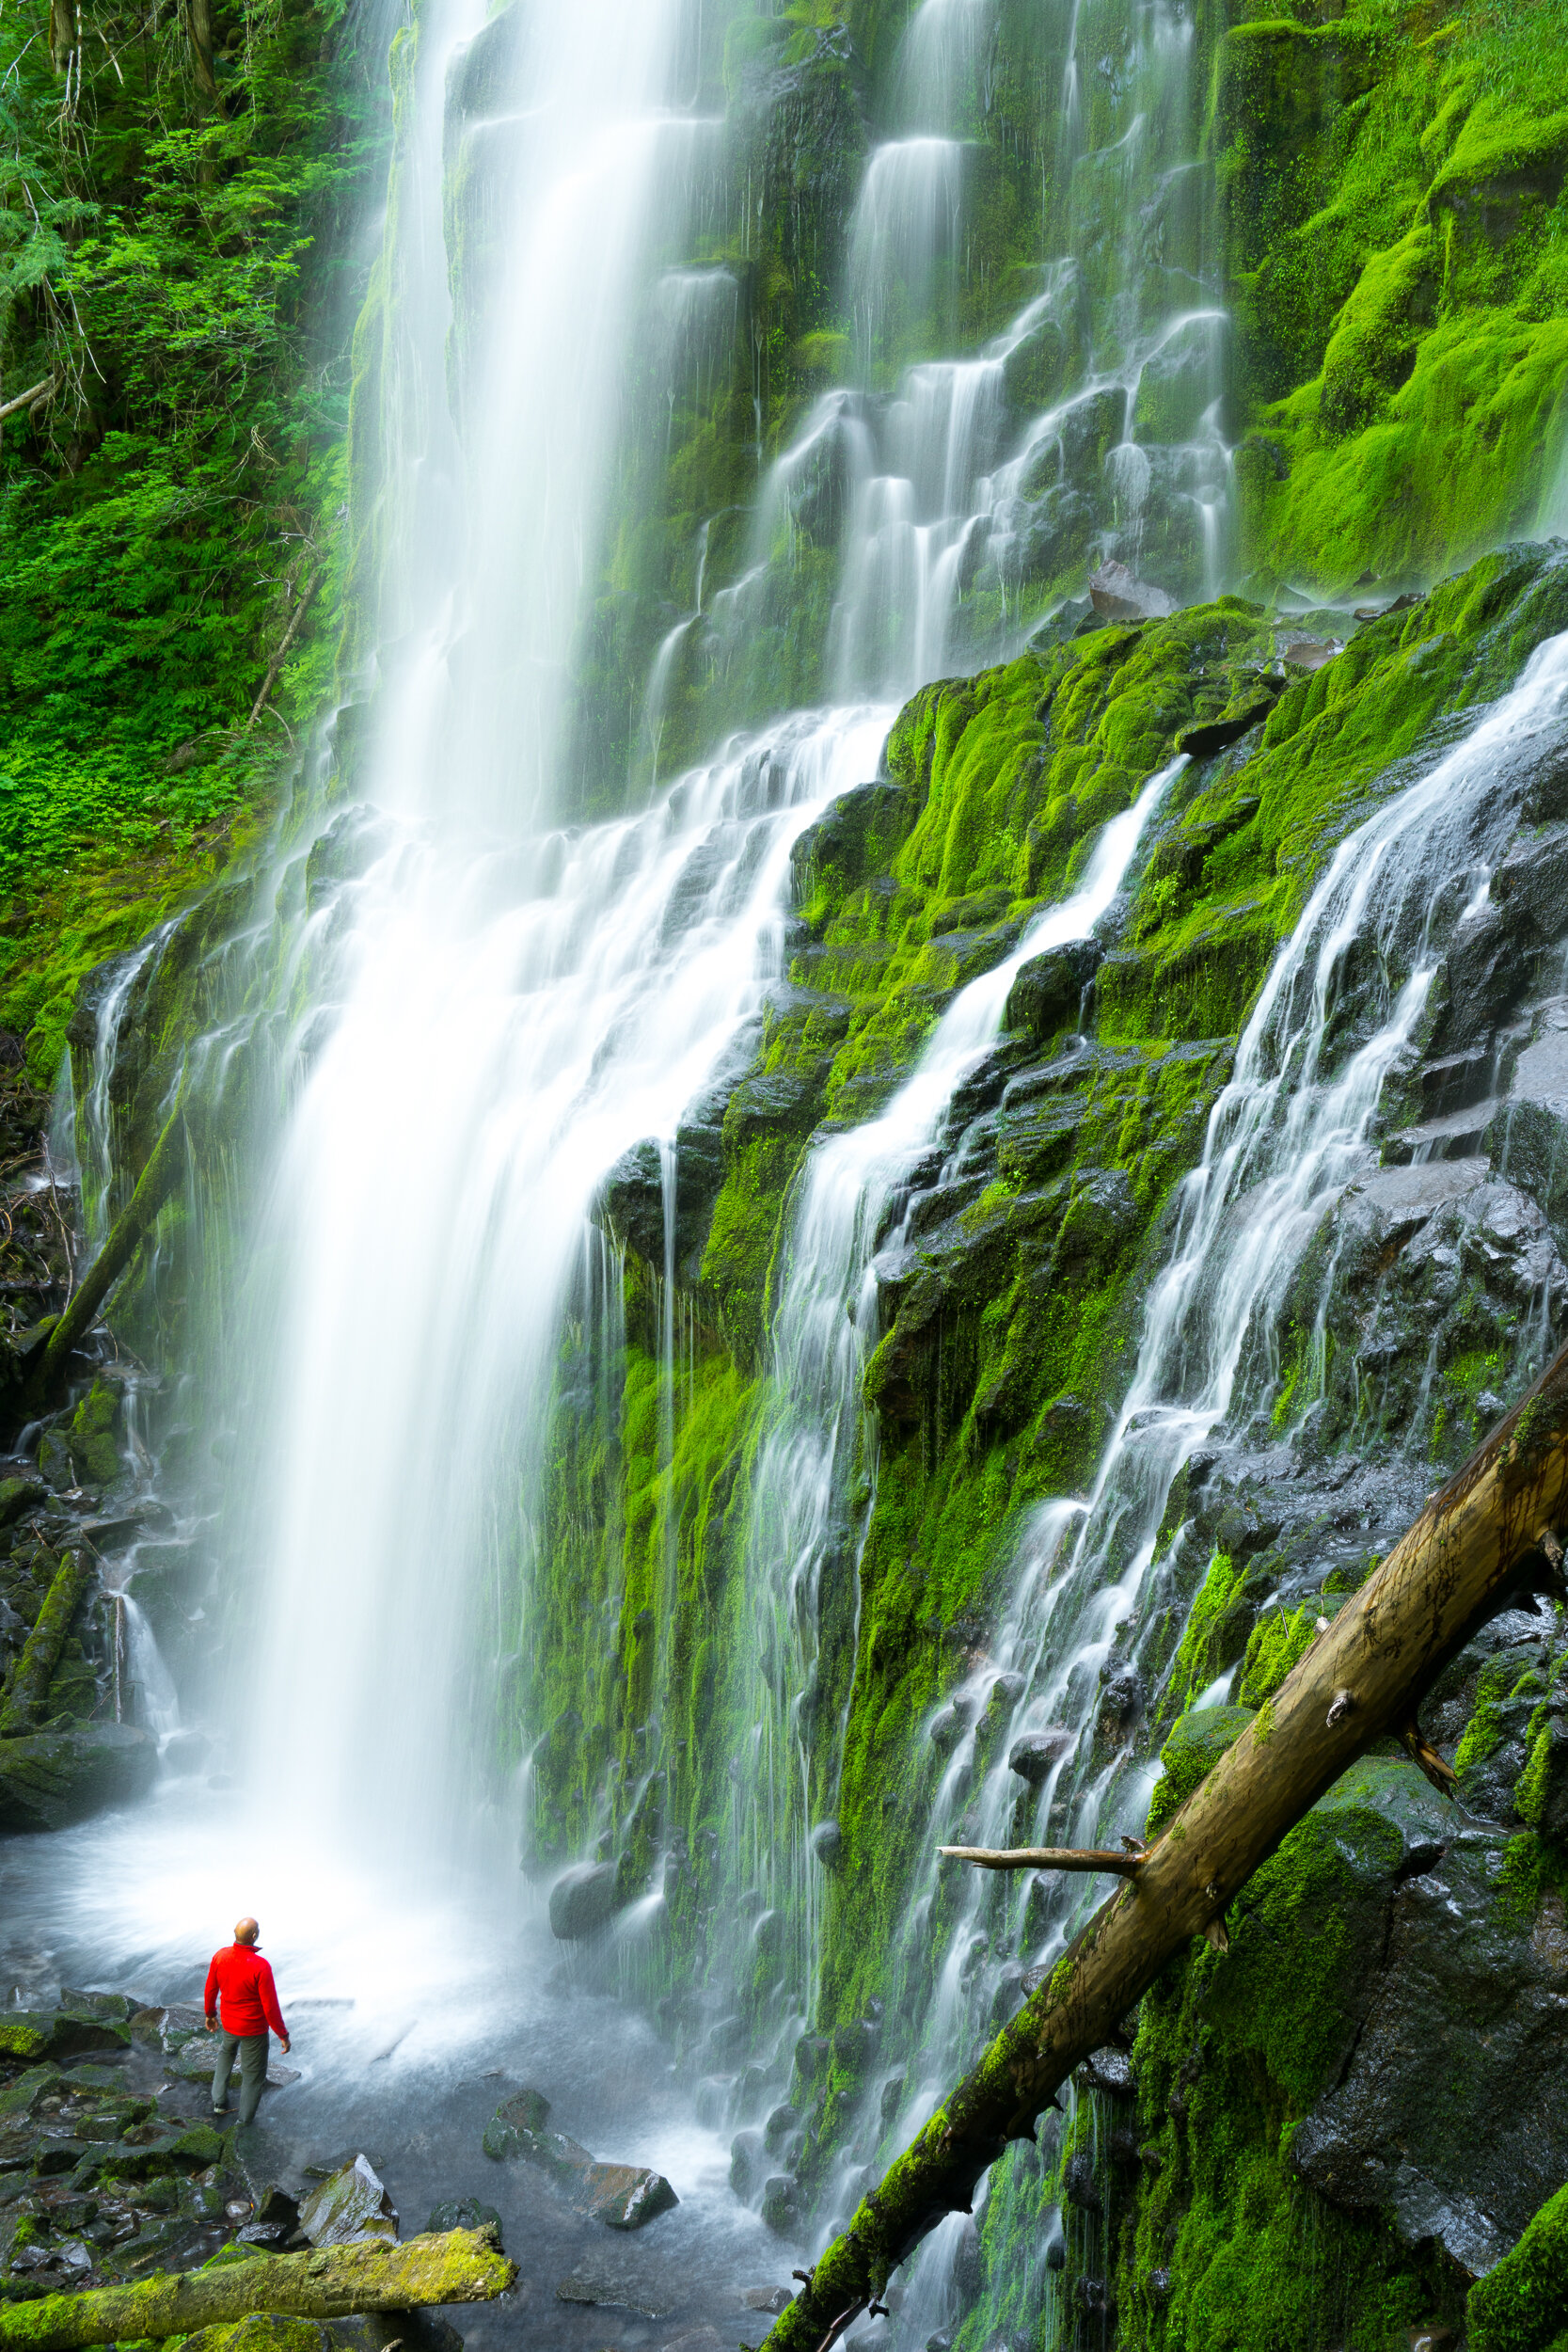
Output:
x=245 y=1931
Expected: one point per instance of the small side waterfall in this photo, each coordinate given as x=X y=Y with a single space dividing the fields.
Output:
x=806 y=1524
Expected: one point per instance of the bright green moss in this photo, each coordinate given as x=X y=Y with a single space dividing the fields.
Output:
x=1276 y=1641
x=1522 y=2304
x=1189 y=1755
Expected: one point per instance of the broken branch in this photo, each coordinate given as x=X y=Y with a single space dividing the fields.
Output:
x=1087 y=1858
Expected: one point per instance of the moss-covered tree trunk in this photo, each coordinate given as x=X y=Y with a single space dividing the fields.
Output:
x=455 y=2267
x=35 y=1669
x=1489 y=1528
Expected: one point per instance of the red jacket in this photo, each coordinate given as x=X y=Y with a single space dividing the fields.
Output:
x=249 y=1996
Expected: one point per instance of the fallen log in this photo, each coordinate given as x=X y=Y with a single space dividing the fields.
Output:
x=373 y=2274
x=35 y=1669
x=1483 y=1538
x=156 y=1181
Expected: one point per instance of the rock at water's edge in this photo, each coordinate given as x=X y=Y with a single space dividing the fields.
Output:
x=49 y=1779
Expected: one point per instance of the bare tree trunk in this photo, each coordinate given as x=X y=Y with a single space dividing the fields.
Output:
x=457 y=2266
x=199 y=17
x=1489 y=1530
x=63 y=32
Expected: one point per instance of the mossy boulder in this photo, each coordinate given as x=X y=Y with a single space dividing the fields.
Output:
x=1522 y=2304
x=49 y=1778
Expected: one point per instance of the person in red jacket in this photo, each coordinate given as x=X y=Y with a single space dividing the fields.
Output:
x=240 y=1980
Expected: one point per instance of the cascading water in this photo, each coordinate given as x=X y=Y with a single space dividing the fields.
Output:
x=472 y=1015
x=847 y=1230
x=1290 y=1133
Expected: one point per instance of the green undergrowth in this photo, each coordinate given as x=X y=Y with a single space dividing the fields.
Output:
x=170 y=261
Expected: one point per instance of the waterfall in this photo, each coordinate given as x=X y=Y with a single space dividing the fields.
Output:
x=1340 y=1013
x=466 y=998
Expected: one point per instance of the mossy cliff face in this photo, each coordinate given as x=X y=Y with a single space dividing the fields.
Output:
x=1291 y=2163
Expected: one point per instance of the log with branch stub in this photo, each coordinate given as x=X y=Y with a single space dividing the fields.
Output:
x=47 y=1370
x=1483 y=1539
x=374 y=2275
x=28 y=1694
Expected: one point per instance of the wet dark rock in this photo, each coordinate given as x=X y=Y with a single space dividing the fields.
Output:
x=463 y=2212
x=1217 y=735
x=774 y=2299
x=1048 y=992
x=780 y=2124
x=1034 y=1756
x=623 y=2196
x=853 y=837
x=1005 y=1691
x=1117 y=596
x=517 y=2126
x=613 y=2285
x=767 y=1935
x=628 y=2196
x=968 y=2268
x=583 y=1900
x=1079 y=2186
x=1483 y=1979
x=347 y=848
x=350 y=2207
x=1108 y=2071
x=748 y=2164
x=951 y=1725
x=781 y=2206
x=39 y=2036
x=1093 y=2297
x=812 y=2053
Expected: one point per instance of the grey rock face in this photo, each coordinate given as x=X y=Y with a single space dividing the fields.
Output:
x=1453 y=2109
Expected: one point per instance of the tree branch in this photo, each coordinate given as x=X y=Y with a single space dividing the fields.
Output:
x=1121 y=1863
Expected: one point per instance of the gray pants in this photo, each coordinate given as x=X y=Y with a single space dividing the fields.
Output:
x=251 y=2050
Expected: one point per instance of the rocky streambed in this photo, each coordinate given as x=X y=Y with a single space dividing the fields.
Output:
x=113 y=2169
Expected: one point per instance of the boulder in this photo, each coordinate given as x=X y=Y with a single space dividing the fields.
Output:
x=51 y=1778
x=1033 y=1757
x=37 y=2036
x=1049 y=989
x=464 y=2212
x=623 y=2196
x=606 y=2282
x=1472 y=1982
x=626 y=2196
x=352 y=2205
x=583 y=1900
x=1117 y=596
